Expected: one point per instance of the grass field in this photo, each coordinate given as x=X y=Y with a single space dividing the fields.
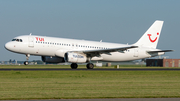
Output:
x=88 y=84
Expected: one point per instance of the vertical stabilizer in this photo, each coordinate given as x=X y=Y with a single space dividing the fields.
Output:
x=151 y=36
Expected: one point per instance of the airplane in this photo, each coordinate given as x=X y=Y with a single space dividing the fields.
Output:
x=61 y=50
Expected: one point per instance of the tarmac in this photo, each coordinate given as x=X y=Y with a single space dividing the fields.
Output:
x=101 y=69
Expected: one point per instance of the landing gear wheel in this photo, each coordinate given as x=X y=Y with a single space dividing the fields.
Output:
x=74 y=65
x=90 y=66
x=27 y=58
x=26 y=63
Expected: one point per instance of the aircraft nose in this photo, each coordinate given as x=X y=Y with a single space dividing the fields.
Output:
x=8 y=46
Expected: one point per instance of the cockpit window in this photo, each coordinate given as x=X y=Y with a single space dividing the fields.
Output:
x=18 y=40
x=13 y=39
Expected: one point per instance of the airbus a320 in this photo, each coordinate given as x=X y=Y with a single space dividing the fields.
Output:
x=60 y=50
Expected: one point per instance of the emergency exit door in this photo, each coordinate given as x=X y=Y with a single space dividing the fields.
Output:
x=136 y=52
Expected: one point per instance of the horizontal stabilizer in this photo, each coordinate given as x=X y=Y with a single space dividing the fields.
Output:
x=160 y=51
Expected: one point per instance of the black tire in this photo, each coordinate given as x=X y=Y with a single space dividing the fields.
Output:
x=74 y=65
x=90 y=66
x=26 y=63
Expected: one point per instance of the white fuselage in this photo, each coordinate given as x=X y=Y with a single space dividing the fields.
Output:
x=51 y=46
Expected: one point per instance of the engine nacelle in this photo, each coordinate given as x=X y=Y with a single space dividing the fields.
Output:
x=75 y=57
x=52 y=59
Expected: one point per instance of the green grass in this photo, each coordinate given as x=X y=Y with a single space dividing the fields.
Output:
x=88 y=84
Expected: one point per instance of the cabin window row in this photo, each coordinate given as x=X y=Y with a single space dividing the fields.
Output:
x=63 y=44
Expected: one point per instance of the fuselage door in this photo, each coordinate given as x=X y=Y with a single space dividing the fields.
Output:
x=31 y=41
x=136 y=52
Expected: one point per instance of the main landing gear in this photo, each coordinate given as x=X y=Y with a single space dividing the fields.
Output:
x=89 y=66
x=27 y=58
x=74 y=65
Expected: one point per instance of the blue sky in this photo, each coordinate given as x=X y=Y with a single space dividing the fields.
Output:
x=117 y=21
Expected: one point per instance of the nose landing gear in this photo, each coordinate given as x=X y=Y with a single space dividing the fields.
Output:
x=27 y=58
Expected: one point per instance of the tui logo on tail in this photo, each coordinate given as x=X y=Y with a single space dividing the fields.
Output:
x=151 y=39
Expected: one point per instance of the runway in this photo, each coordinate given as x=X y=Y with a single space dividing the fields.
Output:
x=101 y=69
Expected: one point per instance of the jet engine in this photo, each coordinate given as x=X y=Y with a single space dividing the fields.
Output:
x=75 y=57
x=52 y=59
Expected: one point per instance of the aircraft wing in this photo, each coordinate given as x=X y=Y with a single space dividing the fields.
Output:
x=97 y=52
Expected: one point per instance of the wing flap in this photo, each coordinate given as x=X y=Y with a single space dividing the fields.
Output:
x=120 y=49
